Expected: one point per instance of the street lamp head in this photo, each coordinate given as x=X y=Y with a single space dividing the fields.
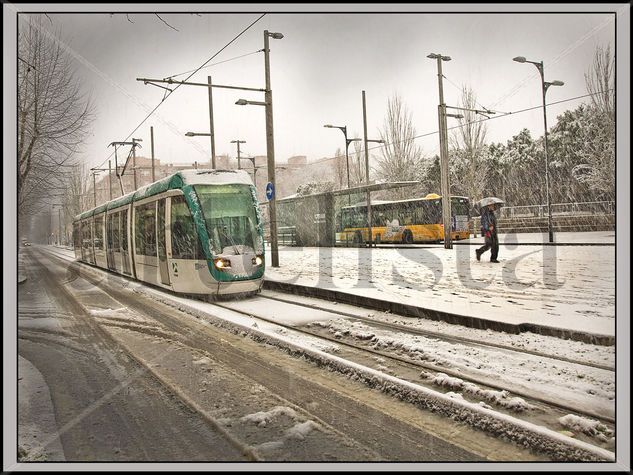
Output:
x=276 y=36
x=557 y=83
x=328 y=126
x=190 y=134
x=238 y=141
x=519 y=59
x=436 y=56
x=241 y=102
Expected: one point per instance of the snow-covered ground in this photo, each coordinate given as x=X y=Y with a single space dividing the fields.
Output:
x=592 y=390
x=570 y=287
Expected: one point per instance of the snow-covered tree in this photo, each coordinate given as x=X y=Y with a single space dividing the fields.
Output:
x=597 y=169
x=314 y=187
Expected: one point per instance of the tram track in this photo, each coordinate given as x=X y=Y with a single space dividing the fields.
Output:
x=557 y=407
x=442 y=336
x=429 y=367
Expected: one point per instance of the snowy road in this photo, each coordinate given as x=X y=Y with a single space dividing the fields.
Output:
x=148 y=330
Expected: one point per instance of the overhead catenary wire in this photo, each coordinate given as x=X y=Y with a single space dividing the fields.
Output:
x=215 y=64
x=503 y=114
x=169 y=93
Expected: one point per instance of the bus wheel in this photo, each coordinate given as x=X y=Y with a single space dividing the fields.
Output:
x=358 y=238
x=407 y=237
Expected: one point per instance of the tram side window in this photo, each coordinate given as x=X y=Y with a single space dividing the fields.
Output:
x=145 y=229
x=99 y=232
x=184 y=238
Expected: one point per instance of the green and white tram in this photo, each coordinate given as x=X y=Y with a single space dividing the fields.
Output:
x=193 y=232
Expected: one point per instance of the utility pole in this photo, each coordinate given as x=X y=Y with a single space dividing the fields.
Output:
x=366 y=141
x=110 y=177
x=94 y=188
x=211 y=127
x=134 y=162
x=270 y=149
x=445 y=181
x=59 y=218
x=151 y=135
x=238 y=142
x=369 y=237
x=209 y=86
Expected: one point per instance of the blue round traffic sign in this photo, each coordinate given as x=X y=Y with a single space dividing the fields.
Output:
x=270 y=191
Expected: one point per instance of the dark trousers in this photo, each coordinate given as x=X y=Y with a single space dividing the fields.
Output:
x=491 y=242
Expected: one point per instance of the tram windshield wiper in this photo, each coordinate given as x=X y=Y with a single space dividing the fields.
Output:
x=223 y=229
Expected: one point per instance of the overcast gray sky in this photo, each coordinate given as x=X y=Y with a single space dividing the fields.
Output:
x=318 y=71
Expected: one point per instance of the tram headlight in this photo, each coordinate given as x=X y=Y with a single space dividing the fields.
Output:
x=258 y=260
x=221 y=263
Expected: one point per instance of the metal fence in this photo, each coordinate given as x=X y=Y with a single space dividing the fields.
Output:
x=560 y=209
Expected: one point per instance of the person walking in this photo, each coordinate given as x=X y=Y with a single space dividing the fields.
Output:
x=489 y=230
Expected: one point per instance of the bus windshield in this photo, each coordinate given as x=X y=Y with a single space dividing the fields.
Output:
x=230 y=216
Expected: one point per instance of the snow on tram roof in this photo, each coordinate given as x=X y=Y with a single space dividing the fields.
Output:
x=214 y=177
x=175 y=180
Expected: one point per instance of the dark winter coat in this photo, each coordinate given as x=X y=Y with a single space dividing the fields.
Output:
x=488 y=221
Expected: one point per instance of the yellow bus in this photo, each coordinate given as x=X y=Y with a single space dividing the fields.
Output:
x=404 y=221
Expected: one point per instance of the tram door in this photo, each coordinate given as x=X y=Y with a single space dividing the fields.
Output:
x=162 y=244
x=110 y=240
x=125 y=252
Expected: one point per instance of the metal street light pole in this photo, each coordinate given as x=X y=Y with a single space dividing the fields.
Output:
x=238 y=142
x=544 y=86
x=270 y=145
x=151 y=136
x=347 y=142
x=366 y=140
x=444 y=169
x=270 y=148
x=134 y=162
x=94 y=188
x=252 y=160
x=211 y=126
x=110 y=177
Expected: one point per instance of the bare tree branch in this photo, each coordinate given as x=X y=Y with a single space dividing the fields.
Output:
x=53 y=115
x=165 y=22
x=401 y=156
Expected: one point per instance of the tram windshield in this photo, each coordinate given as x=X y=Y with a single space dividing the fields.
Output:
x=230 y=215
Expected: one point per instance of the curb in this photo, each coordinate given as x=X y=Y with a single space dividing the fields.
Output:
x=466 y=243
x=453 y=318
